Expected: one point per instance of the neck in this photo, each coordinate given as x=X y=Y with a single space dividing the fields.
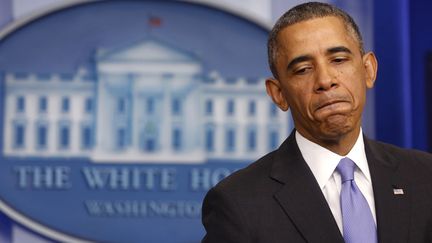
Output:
x=341 y=144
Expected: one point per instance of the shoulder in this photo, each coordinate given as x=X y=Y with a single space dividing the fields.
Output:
x=250 y=186
x=250 y=179
x=414 y=163
x=407 y=154
x=229 y=208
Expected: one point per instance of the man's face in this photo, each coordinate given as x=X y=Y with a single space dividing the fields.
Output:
x=323 y=78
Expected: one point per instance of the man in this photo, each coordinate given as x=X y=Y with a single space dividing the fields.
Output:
x=326 y=182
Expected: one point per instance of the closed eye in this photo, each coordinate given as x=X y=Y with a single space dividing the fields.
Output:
x=338 y=60
x=303 y=70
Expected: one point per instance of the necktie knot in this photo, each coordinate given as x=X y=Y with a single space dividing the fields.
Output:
x=346 y=169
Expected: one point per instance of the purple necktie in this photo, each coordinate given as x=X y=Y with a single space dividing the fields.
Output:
x=358 y=222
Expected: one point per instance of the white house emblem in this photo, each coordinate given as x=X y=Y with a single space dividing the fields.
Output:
x=114 y=124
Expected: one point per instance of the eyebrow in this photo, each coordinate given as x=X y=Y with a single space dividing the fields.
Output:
x=298 y=59
x=338 y=49
x=305 y=58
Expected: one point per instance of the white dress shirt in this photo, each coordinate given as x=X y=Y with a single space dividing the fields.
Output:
x=323 y=162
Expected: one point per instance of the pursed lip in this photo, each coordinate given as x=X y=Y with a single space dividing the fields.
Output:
x=328 y=103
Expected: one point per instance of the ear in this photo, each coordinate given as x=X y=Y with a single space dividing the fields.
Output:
x=371 y=66
x=274 y=90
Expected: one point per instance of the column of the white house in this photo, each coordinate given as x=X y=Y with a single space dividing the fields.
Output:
x=166 y=116
x=205 y=119
x=34 y=119
x=262 y=123
x=136 y=103
x=196 y=142
x=53 y=113
x=79 y=107
x=53 y=131
x=77 y=111
x=259 y=116
x=219 y=131
x=241 y=119
x=101 y=122
x=76 y=117
x=12 y=115
x=218 y=135
x=31 y=117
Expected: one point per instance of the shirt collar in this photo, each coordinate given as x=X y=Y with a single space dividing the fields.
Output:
x=323 y=162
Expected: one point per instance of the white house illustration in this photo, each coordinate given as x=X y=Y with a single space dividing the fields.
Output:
x=148 y=103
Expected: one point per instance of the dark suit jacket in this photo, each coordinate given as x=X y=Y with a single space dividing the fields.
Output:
x=277 y=199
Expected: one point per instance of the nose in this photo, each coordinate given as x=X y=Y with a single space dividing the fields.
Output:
x=325 y=79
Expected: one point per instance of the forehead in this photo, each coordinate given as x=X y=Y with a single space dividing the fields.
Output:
x=314 y=35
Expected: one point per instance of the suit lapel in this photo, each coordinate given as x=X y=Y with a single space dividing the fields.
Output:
x=392 y=210
x=301 y=197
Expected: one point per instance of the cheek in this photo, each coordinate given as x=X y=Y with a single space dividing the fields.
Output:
x=300 y=95
x=354 y=82
x=297 y=93
x=302 y=104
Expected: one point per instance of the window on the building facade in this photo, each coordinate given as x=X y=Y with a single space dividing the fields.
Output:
x=20 y=104
x=64 y=136
x=43 y=104
x=177 y=139
x=86 y=137
x=65 y=104
x=251 y=108
x=148 y=137
x=230 y=142
x=43 y=76
x=273 y=140
x=230 y=107
x=121 y=105
x=41 y=136
x=176 y=106
x=19 y=135
x=66 y=77
x=251 y=139
x=150 y=144
x=21 y=76
x=88 y=105
x=121 y=138
x=150 y=105
x=209 y=107
x=209 y=139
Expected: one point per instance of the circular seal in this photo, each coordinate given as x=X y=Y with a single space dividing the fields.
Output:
x=118 y=116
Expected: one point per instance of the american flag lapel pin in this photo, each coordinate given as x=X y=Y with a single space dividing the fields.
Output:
x=398 y=191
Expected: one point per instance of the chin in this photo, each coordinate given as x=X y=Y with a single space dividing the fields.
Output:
x=336 y=130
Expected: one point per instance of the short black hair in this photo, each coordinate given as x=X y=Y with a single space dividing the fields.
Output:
x=303 y=12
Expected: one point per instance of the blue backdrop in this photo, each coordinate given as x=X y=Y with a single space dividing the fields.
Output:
x=402 y=38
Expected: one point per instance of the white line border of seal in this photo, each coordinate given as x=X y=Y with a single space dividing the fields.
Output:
x=11 y=27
